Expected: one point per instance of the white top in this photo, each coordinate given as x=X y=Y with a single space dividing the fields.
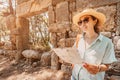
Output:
x=101 y=51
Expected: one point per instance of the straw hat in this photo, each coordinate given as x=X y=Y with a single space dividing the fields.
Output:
x=100 y=16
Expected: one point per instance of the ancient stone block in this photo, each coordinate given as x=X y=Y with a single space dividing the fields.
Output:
x=25 y=41
x=54 y=61
x=75 y=28
x=69 y=42
x=61 y=43
x=115 y=39
x=21 y=1
x=60 y=36
x=118 y=44
x=22 y=42
x=62 y=12
x=31 y=54
x=72 y=34
x=22 y=38
x=115 y=68
x=59 y=27
x=19 y=43
x=11 y=22
x=80 y=4
x=107 y=34
x=66 y=68
x=70 y=0
x=23 y=8
x=22 y=26
x=110 y=12
x=46 y=59
x=55 y=2
x=32 y=7
x=39 y=6
x=51 y=15
x=72 y=7
x=113 y=77
x=52 y=28
x=118 y=19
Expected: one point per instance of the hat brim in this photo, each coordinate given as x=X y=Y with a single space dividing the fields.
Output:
x=100 y=16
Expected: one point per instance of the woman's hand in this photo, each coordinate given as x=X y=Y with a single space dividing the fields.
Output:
x=91 y=68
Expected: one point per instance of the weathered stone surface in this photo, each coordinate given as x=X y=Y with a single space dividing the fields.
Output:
x=11 y=22
x=54 y=61
x=72 y=34
x=117 y=54
x=115 y=39
x=110 y=12
x=63 y=27
x=115 y=77
x=10 y=53
x=11 y=25
x=46 y=59
x=55 y=2
x=60 y=36
x=75 y=28
x=51 y=15
x=107 y=34
x=21 y=1
x=32 y=7
x=22 y=26
x=69 y=42
x=118 y=19
x=66 y=68
x=118 y=44
x=2 y=52
x=59 y=27
x=72 y=7
x=22 y=39
x=84 y=3
x=23 y=8
x=31 y=54
x=70 y=0
x=62 y=13
x=61 y=43
x=8 y=45
x=80 y=4
x=115 y=69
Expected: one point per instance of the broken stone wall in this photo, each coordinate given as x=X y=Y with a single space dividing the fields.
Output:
x=60 y=19
x=63 y=31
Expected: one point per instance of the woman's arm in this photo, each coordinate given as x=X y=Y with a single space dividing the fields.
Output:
x=94 y=69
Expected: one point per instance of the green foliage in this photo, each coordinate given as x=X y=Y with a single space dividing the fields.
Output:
x=39 y=35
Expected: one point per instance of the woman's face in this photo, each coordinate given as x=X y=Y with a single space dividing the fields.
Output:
x=86 y=23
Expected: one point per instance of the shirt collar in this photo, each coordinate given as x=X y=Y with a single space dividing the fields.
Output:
x=98 y=38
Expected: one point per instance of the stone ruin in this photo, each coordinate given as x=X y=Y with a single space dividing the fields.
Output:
x=63 y=31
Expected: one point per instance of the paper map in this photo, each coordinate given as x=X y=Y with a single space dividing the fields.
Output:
x=69 y=55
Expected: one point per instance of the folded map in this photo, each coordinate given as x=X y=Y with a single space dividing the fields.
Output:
x=69 y=55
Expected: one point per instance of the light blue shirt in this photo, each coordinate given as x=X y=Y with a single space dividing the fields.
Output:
x=101 y=51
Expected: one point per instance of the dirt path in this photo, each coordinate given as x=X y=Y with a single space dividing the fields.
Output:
x=22 y=71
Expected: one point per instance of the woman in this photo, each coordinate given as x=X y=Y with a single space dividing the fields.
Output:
x=96 y=50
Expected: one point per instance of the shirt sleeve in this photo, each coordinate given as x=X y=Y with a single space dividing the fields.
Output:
x=109 y=56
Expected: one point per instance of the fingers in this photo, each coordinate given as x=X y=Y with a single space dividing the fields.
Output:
x=93 y=69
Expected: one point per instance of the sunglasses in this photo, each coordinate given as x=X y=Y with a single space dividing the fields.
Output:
x=85 y=20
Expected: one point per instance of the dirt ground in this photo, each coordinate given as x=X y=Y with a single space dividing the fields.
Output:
x=24 y=71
